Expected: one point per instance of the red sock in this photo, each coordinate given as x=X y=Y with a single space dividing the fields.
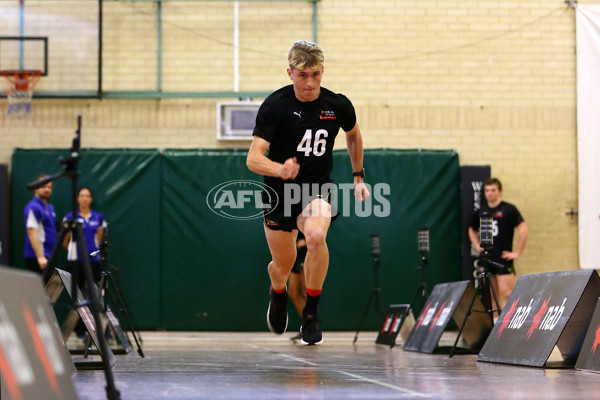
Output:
x=313 y=292
x=278 y=291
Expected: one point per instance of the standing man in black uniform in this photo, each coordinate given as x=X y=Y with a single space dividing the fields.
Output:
x=297 y=125
x=506 y=218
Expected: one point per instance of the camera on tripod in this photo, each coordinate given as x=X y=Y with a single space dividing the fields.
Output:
x=376 y=293
x=486 y=241
x=423 y=241
x=486 y=231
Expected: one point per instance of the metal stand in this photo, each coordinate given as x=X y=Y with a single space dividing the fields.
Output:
x=106 y=277
x=74 y=227
x=375 y=294
x=483 y=288
x=421 y=289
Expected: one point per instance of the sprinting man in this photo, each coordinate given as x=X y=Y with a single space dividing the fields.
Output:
x=297 y=125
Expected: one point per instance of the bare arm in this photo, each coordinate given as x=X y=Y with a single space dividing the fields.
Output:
x=256 y=161
x=99 y=234
x=355 y=150
x=37 y=247
x=523 y=232
x=474 y=238
x=66 y=240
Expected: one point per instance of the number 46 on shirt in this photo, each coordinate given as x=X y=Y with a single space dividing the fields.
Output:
x=318 y=147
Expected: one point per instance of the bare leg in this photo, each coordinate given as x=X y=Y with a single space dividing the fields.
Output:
x=282 y=246
x=297 y=291
x=283 y=250
x=504 y=285
x=315 y=226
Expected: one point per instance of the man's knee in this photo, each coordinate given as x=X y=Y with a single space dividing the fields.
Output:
x=283 y=266
x=315 y=239
x=505 y=288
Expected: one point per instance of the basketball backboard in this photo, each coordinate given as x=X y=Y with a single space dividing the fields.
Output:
x=58 y=38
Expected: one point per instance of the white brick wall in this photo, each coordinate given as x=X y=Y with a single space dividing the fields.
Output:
x=494 y=80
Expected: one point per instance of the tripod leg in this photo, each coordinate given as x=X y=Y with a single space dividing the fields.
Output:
x=378 y=302
x=462 y=326
x=122 y=308
x=423 y=283
x=489 y=278
x=94 y=305
x=102 y=294
x=364 y=316
x=88 y=346
x=420 y=289
x=51 y=266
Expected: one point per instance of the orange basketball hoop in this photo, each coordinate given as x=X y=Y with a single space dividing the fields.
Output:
x=19 y=90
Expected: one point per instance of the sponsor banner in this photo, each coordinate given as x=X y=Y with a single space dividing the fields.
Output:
x=471 y=198
x=34 y=363
x=589 y=357
x=62 y=280
x=399 y=319
x=449 y=301
x=117 y=331
x=543 y=311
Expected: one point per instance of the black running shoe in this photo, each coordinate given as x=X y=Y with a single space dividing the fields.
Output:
x=277 y=317
x=310 y=331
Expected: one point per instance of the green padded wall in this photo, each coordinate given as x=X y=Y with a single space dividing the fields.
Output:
x=213 y=268
x=220 y=264
x=182 y=267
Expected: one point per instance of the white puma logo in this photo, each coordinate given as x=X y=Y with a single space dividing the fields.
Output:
x=299 y=114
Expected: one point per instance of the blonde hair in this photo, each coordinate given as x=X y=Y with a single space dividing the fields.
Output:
x=303 y=54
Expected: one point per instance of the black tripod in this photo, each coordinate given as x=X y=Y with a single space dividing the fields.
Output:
x=73 y=226
x=104 y=285
x=423 y=246
x=421 y=290
x=483 y=286
x=376 y=292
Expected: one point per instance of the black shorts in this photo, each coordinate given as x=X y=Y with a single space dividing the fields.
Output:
x=300 y=256
x=298 y=268
x=507 y=270
x=501 y=267
x=278 y=217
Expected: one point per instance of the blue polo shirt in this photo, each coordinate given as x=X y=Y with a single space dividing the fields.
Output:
x=41 y=216
x=90 y=227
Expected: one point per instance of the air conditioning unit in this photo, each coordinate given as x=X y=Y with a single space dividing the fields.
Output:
x=236 y=119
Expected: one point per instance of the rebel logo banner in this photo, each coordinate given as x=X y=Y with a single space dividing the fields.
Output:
x=589 y=357
x=34 y=363
x=449 y=301
x=399 y=318
x=62 y=280
x=543 y=311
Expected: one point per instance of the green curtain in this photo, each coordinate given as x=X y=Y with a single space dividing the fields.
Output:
x=183 y=267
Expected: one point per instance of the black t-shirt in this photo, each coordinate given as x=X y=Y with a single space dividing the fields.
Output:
x=305 y=130
x=506 y=219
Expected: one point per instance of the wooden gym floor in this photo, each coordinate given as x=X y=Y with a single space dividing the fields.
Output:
x=228 y=365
